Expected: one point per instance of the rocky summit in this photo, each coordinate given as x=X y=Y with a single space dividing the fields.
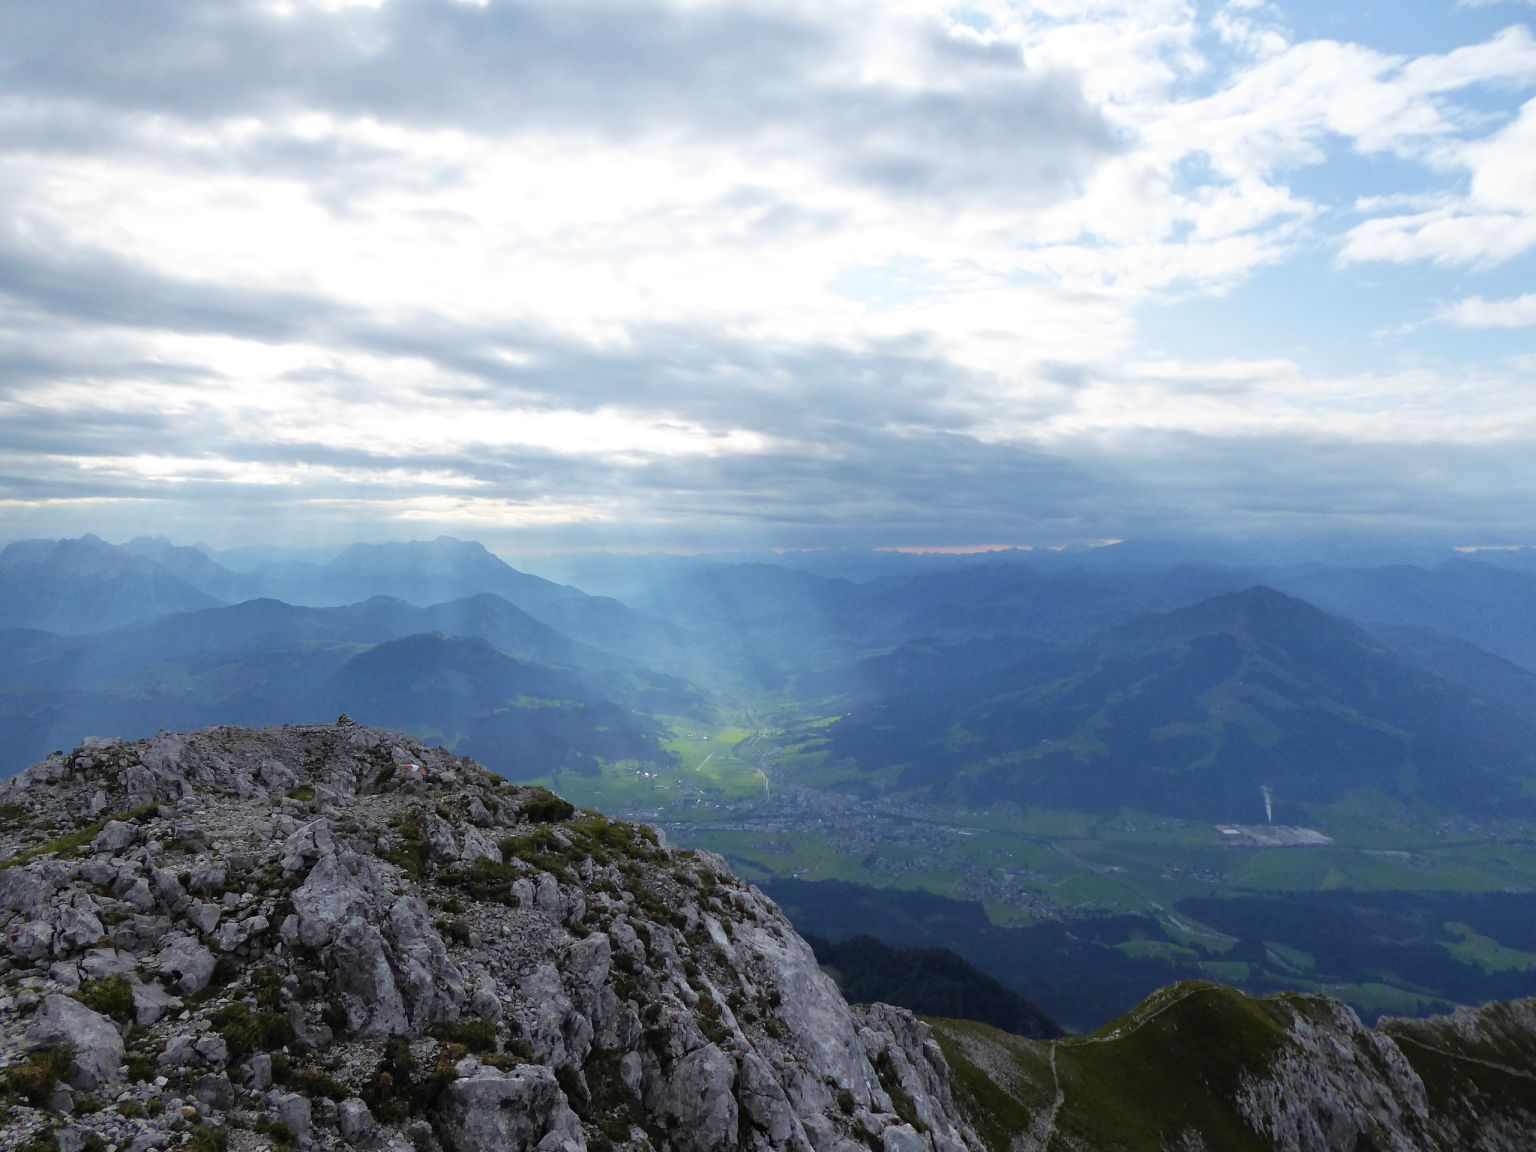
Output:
x=337 y=937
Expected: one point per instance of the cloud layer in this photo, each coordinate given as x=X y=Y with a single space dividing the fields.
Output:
x=650 y=273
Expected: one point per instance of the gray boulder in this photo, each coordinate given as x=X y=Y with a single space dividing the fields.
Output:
x=150 y=1002
x=699 y=1102
x=765 y=1105
x=116 y=836
x=353 y=1120
x=335 y=886
x=431 y=984
x=204 y=916
x=22 y=890
x=31 y=940
x=75 y=929
x=98 y=1048
x=187 y=963
x=516 y=1109
x=903 y=1138
x=293 y=1111
x=362 y=976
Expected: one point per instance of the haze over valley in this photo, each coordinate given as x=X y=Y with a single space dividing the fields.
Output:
x=1053 y=763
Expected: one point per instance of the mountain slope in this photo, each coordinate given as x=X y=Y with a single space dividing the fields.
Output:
x=433 y=572
x=1191 y=712
x=1492 y=679
x=522 y=719
x=197 y=568
x=86 y=585
x=194 y=641
x=929 y=981
x=336 y=937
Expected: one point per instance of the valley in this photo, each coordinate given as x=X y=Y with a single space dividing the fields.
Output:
x=1088 y=782
x=1142 y=875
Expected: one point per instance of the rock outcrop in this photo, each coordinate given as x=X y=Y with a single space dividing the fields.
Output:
x=1199 y=1068
x=328 y=937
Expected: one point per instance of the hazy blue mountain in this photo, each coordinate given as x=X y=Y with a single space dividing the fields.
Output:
x=444 y=681
x=615 y=627
x=984 y=600
x=433 y=572
x=522 y=719
x=419 y=572
x=197 y=568
x=1491 y=606
x=86 y=585
x=247 y=558
x=917 y=667
x=814 y=637
x=263 y=661
x=262 y=656
x=1519 y=559
x=1190 y=712
x=1492 y=680
x=996 y=599
x=752 y=598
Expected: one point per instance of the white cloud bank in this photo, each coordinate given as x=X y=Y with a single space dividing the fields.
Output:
x=789 y=269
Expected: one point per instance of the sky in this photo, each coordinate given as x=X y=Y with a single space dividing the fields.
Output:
x=636 y=274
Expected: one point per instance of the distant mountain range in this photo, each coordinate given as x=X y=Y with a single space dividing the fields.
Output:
x=1191 y=712
x=105 y=639
x=86 y=585
x=1172 y=687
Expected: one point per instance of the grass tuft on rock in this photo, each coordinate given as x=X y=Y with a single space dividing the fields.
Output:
x=33 y=1079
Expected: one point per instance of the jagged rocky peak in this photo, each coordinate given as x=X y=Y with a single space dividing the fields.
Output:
x=333 y=936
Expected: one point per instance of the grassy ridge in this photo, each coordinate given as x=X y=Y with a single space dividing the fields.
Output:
x=1171 y=1073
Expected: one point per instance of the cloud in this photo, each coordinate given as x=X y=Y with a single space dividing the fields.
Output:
x=607 y=71
x=1475 y=312
x=1492 y=223
x=809 y=272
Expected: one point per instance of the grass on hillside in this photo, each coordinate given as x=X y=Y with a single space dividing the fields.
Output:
x=1171 y=1066
x=1483 y=952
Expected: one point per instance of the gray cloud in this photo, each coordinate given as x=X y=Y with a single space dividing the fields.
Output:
x=617 y=69
x=101 y=288
x=871 y=442
x=868 y=449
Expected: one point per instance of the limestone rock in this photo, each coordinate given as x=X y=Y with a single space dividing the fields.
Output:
x=516 y=1109
x=150 y=1002
x=699 y=1100
x=395 y=958
x=187 y=964
x=364 y=981
x=94 y=1039
x=31 y=940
